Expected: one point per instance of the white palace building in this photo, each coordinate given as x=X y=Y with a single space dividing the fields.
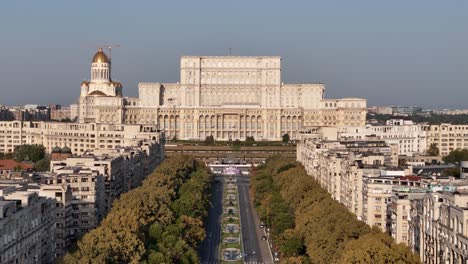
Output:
x=228 y=97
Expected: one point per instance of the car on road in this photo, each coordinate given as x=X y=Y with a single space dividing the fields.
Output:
x=264 y=238
x=262 y=226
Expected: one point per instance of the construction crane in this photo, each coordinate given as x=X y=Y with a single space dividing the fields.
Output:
x=109 y=48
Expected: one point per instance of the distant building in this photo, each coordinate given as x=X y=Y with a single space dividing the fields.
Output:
x=451 y=112
x=227 y=97
x=80 y=138
x=406 y=110
x=59 y=113
x=381 y=110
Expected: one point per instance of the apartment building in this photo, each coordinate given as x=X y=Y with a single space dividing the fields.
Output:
x=447 y=137
x=79 y=189
x=62 y=195
x=400 y=211
x=80 y=138
x=87 y=203
x=377 y=197
x=122 y=169
x=409 y=137
x=443 y=224
x=340 y=166
x=27 y=222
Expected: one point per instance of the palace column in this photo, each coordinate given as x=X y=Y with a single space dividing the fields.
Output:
x=196 y=124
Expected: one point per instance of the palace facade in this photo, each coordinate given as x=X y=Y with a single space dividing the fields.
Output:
x=228 y=97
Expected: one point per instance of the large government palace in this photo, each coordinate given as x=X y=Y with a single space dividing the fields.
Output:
x=228 y=97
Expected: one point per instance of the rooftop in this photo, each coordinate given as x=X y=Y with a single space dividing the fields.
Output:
x=11 y=164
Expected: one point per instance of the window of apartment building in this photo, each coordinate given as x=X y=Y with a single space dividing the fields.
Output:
x=378 y=216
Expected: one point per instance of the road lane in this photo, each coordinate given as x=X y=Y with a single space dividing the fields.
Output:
x=209 y=248
x=249 y=229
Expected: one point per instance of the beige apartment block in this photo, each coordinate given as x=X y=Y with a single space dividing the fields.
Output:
x=447 y=137
x=87 y=203
x=123 y=169
x=400 y=211
x=410 y=138
x=339 y=167
x=27 y=222
x=62 y=195
x=444 y=226
x=377 y=198
x=78 y=137
x=227 y=97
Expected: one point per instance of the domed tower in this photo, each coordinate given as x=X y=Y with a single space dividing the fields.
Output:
x=100 y=91
x=100 y=68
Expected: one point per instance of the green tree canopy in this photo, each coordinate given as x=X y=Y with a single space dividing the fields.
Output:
x=29 y=152
x=159 y=222
x=456 y=156
x=433 y=150
x=308 y=225
x=209 y=140
x=42 y=164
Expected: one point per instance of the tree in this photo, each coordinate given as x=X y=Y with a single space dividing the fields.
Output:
x=286 y=138
x=42 y=165
x=452 y=172
x=6 y=155
x=377 y=247
x=29 y=152
x=249 y=140
x=456 y=156
x=433 y=150
x=159 y=222
x=209 y=140
x=308 y=225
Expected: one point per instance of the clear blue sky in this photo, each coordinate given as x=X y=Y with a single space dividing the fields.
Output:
x=412 y=52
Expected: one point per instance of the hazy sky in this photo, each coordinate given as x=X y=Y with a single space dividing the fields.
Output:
x=401 y=52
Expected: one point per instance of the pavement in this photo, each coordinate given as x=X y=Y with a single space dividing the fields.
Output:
x=256 y=250
x=249 y=229
x=209 y=248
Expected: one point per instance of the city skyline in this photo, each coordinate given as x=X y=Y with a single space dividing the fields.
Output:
x=391 y=54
